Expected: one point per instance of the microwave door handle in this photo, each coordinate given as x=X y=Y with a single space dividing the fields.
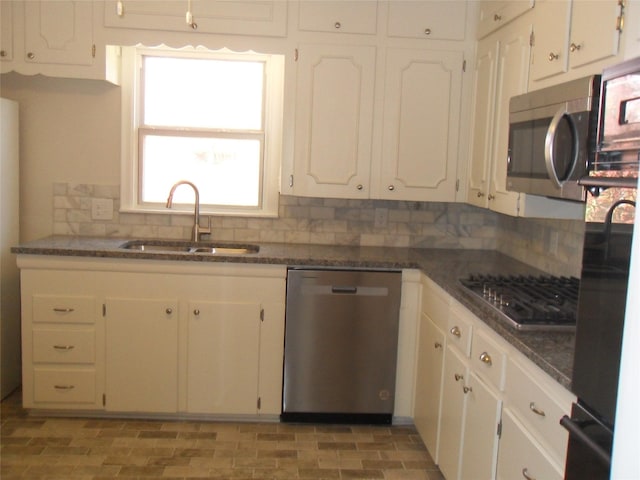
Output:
x=549 y=141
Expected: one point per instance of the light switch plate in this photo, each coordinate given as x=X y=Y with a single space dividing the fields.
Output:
x=102 y=209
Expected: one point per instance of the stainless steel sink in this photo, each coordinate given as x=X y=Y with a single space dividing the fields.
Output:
x=162 y=246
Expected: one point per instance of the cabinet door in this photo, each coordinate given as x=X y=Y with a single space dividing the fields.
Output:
x=594 y=32
x=511 y=79
x=521 y=456
x=249 y=17
x=338 y=16
x=483 y=113
x=6 y=31
x=59 y=32
x=452 y=416
x=550 y=53
x=223 y=356
x=482 y=416
x=334 y=121
x=420 y=125
x=141 y=355
x=426 y=414
x=442 y=20
x=494 y=14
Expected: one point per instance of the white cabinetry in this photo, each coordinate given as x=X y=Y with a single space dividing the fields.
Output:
x=152 y=337
x=62 y=341
x=502 y=71
x=494 y=14
x=54 y=38
x=376 y=116
x=576 y=36
x=141 y=354
x=496 y=414
x=334 y=120
x=245 y=17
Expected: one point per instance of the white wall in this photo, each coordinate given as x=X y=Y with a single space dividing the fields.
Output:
x=69 y=131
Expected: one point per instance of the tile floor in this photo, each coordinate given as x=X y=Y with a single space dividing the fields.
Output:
x=35 y=447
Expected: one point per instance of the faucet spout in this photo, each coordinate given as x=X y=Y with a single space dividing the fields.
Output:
x=197 y=230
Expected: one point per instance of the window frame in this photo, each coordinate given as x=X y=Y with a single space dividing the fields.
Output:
x=272 y=132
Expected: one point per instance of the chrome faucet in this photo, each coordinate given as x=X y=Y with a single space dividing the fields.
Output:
x=197 y=229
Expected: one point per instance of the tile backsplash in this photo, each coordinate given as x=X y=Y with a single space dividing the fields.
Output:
x=553 y=246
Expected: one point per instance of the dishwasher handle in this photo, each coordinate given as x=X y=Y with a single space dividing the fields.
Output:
x=344 y=290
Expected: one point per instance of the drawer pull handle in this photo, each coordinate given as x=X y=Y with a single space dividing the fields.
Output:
x=458 y=377
x=536 y=410
x=63 y=310
x=455 y=331
x=485 y=358
x=64 y=347
x=64 y=387
x=525 y=474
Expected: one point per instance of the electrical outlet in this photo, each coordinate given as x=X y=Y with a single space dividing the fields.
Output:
x=102 y=209
x=381 y=218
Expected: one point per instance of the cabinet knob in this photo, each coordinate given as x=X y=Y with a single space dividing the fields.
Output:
x=3 y=53
x=437 y=345
x=536 y=410
x=31 y=55
x=485 y=358
x=427 y=31
x=525 y=474
x=360 y=187
x=480 y=194
x=391 y=188
x=169 y=311
x=337 y=25
x=491 y=197
x=458 y=377
x=467 y=389
x=455 y=331
x=574 y=47
x=196 y=312
x=497 y=18
x=553 y=56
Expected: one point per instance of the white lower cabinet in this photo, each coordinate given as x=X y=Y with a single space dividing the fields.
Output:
x=141 y=354
x=497 y=414
x=152 y=337
x=521 y=457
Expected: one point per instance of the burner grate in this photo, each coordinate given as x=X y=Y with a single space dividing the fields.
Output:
x=529 y=302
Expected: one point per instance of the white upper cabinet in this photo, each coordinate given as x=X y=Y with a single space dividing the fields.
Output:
x=494 y=14
x=245 y=17
x=578 y=37
x=334 y=115
x=54 y=38
x=338 y=16
x=420 y=125
x=442 y=20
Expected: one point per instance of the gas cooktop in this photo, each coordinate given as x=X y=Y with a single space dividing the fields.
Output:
x=528 y=302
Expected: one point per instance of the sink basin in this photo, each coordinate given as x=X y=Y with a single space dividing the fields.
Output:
x=161 y=246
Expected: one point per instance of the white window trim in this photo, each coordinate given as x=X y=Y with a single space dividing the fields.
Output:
x=273 y=119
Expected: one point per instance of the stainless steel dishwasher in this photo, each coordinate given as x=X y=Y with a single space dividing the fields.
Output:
x=341 y=342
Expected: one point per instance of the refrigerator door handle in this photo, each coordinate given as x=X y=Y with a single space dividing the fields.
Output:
x=575 y=429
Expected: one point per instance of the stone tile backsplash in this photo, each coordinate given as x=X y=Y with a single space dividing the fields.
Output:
x=553 y=246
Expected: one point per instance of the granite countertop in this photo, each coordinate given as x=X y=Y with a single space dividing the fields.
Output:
x=551 y=351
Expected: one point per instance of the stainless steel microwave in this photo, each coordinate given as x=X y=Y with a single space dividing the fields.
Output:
x=552 y=135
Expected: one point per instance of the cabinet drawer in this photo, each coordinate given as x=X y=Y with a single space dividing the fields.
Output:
x=520 y=456
x=537 y=407
x=64 y=346
x=430 y=19
x=488 y=359
x=62 y=309
x=459 y=331
x=64 y=386
x=338 y=16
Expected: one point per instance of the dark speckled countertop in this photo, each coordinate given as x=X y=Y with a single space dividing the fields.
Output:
x=552 y=352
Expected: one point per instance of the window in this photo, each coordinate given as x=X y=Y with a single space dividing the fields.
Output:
x=212 y=118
